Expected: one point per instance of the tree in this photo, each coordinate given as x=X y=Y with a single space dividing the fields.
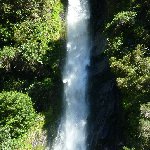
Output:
x=128 y=49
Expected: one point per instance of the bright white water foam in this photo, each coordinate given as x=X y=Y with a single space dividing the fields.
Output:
x=72 y=130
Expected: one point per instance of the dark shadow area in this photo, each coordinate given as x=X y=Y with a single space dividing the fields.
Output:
x=65 y=4
x=104 y=121
x=54 y=113
x=112 y=124
x=53 y=116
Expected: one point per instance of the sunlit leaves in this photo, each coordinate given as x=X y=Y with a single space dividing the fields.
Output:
x=6 y=56
x=17 y=113
x=114 y=46
x=32 y=34
x=128 y=50
x=133 y=71
x=122 y=18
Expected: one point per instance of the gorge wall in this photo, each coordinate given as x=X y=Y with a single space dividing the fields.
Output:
x=104 y=120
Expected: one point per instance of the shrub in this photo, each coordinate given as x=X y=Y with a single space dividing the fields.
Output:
x=16 y=114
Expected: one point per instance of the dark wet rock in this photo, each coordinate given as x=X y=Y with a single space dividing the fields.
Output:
x=104 y=122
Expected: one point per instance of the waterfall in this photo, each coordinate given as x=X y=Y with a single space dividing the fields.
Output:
x=72 y=129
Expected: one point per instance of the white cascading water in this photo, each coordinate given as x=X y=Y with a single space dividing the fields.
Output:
x=72 y=130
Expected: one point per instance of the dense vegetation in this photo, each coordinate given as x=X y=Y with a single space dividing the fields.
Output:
x=31 y=39
x=128 y=47
x=17 y=115
x=31 y=46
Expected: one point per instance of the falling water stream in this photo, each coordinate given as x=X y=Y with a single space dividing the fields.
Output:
x=72 y=129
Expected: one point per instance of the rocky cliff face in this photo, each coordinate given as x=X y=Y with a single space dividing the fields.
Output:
x=104 y=120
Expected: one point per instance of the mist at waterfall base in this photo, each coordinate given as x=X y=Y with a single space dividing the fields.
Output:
x=72 y=129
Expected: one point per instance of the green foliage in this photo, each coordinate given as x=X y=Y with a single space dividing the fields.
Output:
x=132 y=71
x=120 y=34
x=145 y=125
x=31 y=35
x=13 y=144
x=17 y=115
x=122 y=19
x=128 y=50
x=34 y=139
x=17 y=10
x=127 y=47
x=126 y=148
x=114 y=46
x=5 y=35
x=6 y=56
